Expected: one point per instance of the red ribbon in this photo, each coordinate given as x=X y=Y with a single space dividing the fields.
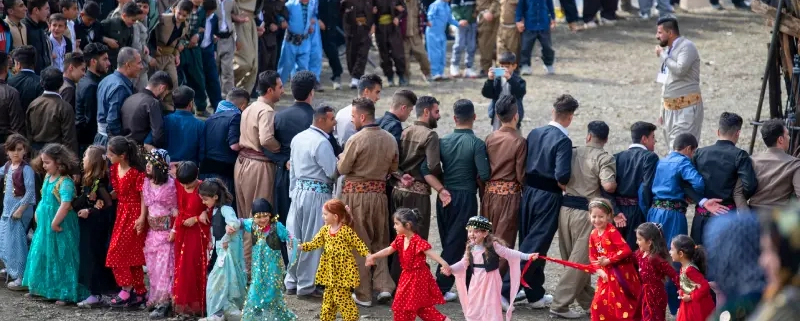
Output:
x=591 y=269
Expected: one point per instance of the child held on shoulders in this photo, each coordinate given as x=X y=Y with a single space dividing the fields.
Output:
x=19 y=200
x=694 y=292
x=417 y=292
x=337 y=270
x=483 y=299
x=227 y=282
x=654 y=267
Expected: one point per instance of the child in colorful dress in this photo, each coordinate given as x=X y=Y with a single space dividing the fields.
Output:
x=161 y=208
x=227 y=282
x=618 y=288
x=337 y=271
x=265 y=300
x=96 y=220
x=126 y=250
x=191 y=235
x=52 y=268
x=654 y=267
x=417 y=292
x=695 y=293
x=19 y=199
x=483 y=299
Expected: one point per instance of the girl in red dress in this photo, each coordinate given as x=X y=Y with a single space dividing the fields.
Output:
x=695 y=293
x=126 y=249
x=417 y=292
x=618 y=288
x=654 y=267
x=190 y=232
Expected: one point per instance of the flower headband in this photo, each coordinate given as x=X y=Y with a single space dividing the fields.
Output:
x=158 y=158
x=265 y=214
x=600 y=204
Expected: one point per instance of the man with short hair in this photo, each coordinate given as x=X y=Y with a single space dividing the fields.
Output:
x=112 y=92
x=547 y=171
x=369 y=156
x=222 y=139
x=96 y=56
x=15 y=11
x=254 y=173
x=369 y=86
x=777 y=173
x=182 y=129
x=403 y=102
x=88 y=29
x=36 y=24
x=119 y=31
x=74 y=70
x=682 y=104
x=463 y=160
x=722 y=165
x=170 y=35
x=12 y=114
x=592 y=172
x=141 y=114
x=26 y=80
x=50 y=118
x=311 y=177
x=635 y=169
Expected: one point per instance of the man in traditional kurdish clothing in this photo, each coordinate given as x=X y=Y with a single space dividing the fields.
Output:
x=722 y=165
x=506 y=150
x=777 y=172
x=547 y=171
x=464 y=162
x=488 y=12
x=245 y=65
x=254 y=173
x=592 y=172
x=358 y=25
x=313 y=167
x=369 y=156
x=412 y=26
x=635 y=169
x=390 y=40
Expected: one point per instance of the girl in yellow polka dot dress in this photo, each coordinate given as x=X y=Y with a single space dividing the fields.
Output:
x=337 y=270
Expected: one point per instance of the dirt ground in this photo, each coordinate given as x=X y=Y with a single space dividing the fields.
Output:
x=611 y=71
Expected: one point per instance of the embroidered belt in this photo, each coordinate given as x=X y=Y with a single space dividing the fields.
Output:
x=296 y=39
x=166 y=51
x=161 y=223
x=361 y=21
x=503 y=188
x=671 y=205
x=254 y=155
x=681 y=102
x=364 y=187
x=314 y=186
x=416 y=188
x=385 y=19
x=704 y=212
x=627 y=201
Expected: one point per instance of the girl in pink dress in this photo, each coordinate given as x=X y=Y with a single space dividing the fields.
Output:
x=161 y=207
x=417 y=292
x=482 y=301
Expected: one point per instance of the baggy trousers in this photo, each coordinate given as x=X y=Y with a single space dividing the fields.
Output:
x=167 y=64
x=436 y=45
x=315 y=57
x=414 y=46
x=686 y=120
x=212 y=85
x=337 y=299
x=330 y=46
x=294 y=58
x=633 y=218
x=503 y=212
x=487 y=39
x=508 y=40
x=573 y=236
x=607 y=8
x=225 y=51
x=192 y=69
x=390 y=48
x=538 y=222
x=244 y=60
x=452 y=222
x=304 y=222
x=370 y=224
x=358 y=44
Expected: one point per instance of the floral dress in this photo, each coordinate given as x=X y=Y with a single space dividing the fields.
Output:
x=52 y=269
x=158 y=251
x=14 y=232
x=652 y=271
x=615 y=298
x=265 y=300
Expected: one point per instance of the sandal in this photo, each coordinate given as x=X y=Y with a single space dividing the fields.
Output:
x=90 y=302
x=119 y=302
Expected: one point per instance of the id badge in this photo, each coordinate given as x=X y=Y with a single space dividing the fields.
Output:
x=661 y=78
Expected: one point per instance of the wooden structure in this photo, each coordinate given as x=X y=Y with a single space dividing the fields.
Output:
x=781 y=66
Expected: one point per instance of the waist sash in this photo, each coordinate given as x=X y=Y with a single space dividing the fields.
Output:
x=161 y=223
x=254 y=155
x=416 y=188
x=314 y=186
x=575 y=202
x=671 y=205
x=627 y=201
x=681 y=102
x=543 y=183
x=364 y=187
x=503 y=187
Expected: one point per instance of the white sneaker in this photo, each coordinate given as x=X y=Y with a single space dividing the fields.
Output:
x=337 y=85
x=16 y=285
x=526 y=70
x=520 y=295
x=437 y=77
x=366 y=304
x=644 y=16
x=504 y=303
x=590 y=25
x=470 y=73
x=353 y=83
x=450 y=297
x=607 y=22
x=542 y=303
x=384 y=297
x=550 y=70
x=454 y=71
x=567 y=315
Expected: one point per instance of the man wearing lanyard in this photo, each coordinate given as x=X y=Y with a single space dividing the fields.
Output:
x=682 y=110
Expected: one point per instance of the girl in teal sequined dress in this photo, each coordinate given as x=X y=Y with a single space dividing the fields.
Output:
x=52 y=269
x=265 y=299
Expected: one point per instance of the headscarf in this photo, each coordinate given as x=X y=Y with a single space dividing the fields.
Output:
x=225 y=105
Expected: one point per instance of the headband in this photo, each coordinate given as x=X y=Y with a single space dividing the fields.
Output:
x=265 y=214
x=158 y=158
x=600 y=203
x=480 y=223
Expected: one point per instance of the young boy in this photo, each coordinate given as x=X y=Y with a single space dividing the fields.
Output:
x=295 y=52
x=191 y=66
x=439 y=18
x=74 y=69
x=69 y=9
x=60 y=45
x=208 y=49
x=464 y=13
x=504 y=80
x=141 y=36
x=170 y=40
x=534 y=23
x=119 y=31
x=88 y=30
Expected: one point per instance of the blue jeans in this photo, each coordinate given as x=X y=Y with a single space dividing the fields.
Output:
x=664 y=7
x=466 y=39
x=529 y=38
x=213 y=87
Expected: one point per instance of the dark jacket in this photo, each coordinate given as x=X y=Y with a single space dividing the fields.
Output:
x=37 y=37
x=29 y=86
x=116 y=29
x=12 y=114
x=390 y=123
x=52 y=120
x=86 y=108
x=88 y=34
x=288 y=123
x=493 y=88
x=141 y=115
x=67 y=91
x=536 y=14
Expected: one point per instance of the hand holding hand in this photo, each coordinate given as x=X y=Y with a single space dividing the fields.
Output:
x=370 y=261
x=463 y=23
x=84 y=213
x=273 y=27
x=17 y=214
x=284 y=25
x=444 y=195
x=322 y=25
x=229 y=229
x=602 y=274
x=396 y=21
x=260 y=30
x=139 y=225
x=604 y=261
x=533 y=257
x=686 y=298
x=171 y=237
x=446 y=270
x=189 y=222
x=204 y=217
x=521 y=26
x=488 y=16
x=620 y=220
x=99 y=204
x=407 y=180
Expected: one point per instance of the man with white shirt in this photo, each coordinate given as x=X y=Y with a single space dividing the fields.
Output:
x=682 y=104
x=547 y=172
